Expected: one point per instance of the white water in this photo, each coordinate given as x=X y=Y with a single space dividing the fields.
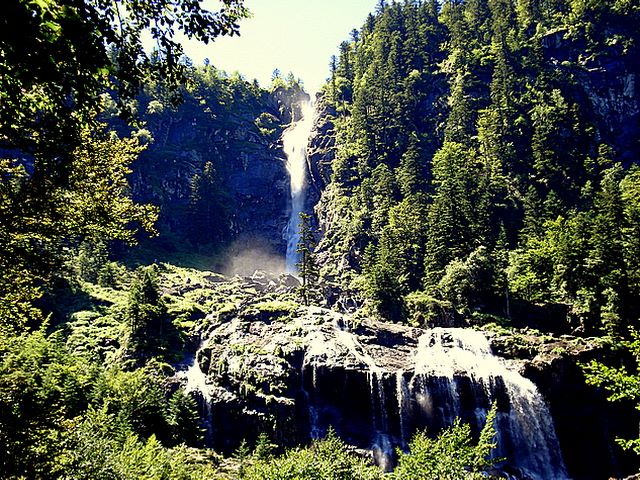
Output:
x=196 y=385
x=295 y=140
x=453 y=374
x=196 y=380
x=525 y=434
x=382 y=447
x=318 y=349
x=402 y=398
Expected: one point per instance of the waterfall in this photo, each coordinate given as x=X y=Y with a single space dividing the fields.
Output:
x=448 y=357
x=196 y=385
x=402 y=398
x=295 y=140
x=382 y=446
x=196 y=380
x=451 y=373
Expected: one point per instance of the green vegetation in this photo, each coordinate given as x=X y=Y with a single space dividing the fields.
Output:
x=326 y=459
x=66 y=414
x=486 y=169
x=620 y=383
x=477 y=167
x=276 y=309
x=63 y=175
x=451 y=455
x=307 y=264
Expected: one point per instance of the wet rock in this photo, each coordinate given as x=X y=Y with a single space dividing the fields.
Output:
x=292 y=371
x=297 y=374
x=584 y=419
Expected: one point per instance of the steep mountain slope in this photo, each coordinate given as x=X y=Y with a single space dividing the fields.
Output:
x=215 y=164
x=478 y=156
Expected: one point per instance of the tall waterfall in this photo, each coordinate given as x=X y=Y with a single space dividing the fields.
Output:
x=295 y=140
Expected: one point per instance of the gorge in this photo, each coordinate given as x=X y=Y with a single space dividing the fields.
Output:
x=468 y=305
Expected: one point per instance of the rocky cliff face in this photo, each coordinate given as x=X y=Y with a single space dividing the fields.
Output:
x=287 y=103
x=272 y=365
x=608 y=86
x=321 y=150
x=242 y=142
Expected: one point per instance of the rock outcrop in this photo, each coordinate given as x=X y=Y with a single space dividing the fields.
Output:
x=585 y=421
x=287 y=101
x=273 y=365
x=321 y=150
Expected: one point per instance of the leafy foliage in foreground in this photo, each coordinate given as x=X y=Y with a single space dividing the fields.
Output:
x=326 y=459
x=620 y=383
x=63 y=178
x=452 y=455
x=93 y=204
x=66 y=414
x=70 y=52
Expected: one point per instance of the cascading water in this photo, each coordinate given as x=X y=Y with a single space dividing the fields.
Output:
x=526 y=435
x=196 y=380
x=451 y=374
x=196 y=384
x=295 y=140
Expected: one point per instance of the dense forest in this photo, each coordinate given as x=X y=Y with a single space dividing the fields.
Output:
x=486 y=161
x=474 y=167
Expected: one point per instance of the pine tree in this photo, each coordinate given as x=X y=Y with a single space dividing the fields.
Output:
x=146 y=316
x=606 y=256
x=453 y=214
x=333 y=68
x=183 y=419
x=209 y=207
x=411 y=174
x=394 y=266
x=307 y=266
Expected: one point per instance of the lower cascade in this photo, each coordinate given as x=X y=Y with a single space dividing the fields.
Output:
x=453 y=374
x=195 y=384
x=376 y=385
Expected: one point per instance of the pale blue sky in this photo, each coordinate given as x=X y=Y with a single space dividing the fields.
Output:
x=291 y=35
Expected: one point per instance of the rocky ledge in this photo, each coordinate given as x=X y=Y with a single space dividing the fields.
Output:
x=268 y=364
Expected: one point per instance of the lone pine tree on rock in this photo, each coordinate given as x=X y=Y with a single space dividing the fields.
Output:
x=307 y=266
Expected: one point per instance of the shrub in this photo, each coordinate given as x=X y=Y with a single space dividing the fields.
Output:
x=451 y=455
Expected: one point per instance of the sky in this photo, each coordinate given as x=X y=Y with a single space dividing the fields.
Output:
x=296 y=36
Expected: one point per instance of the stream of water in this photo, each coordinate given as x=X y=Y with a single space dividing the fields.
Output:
x=295 y=140
x=454 y=374
x=524 y=427
x=195 y=384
